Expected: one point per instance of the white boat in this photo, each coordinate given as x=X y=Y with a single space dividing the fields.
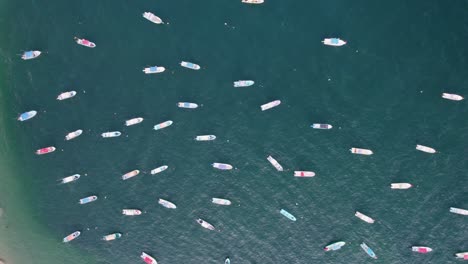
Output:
x=400 y=186
x=220 y=201
x=222 y=166
x=270 y=105
x=364 y=217
x=335 y=246
x=131 y=174
x=333 y=42
x=72 y=178
x=71 y=236
x=73 y=134
x=153 y=18
x=458 y=211
x=111 y=134
x=453 y=97
x=422 y=250
x=112 y=236
x=190 y=65
x=66 y=95
x=253 y=1
x=167 y=204
x=205 y=138
x=462 y=255
x=131 y=212
x=85 y=42
x=288 y=215
x=425 y=149
x=154 y=69
x=227 y=261
x=134 y=121
x=159 y=169
x=243 y=83
x=27 y=115
x=275 y=163
x=205 y=224
x=321 y=126
x=163 y=125
x=304 y=174
x=88 y=199
x=29 y=55
x=148 y=259
x=187 y=105
x=361 y=151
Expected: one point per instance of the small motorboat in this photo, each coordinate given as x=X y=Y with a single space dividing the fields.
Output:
x=134 y=121
x=72 y=178
x=71 y=236
x=190 y=65
x=425 y=149
x=458 y=211
x=27 y=115
x=29 y=55
x=400 y=186
x=243 y=83
x=85 y=42
x=154 y=69
x=159 y=169
x=73 y=134
x=364 y=217
x=222 y=166
x=270 y=105
x=227 y=261
x=361 y=151
x=205 y=138
x=167 y=204
x=43 y=151
x=148 y=259
x=333 y=42
x=131 y=212
x=304 y=174
x=111 y=134
x=288 y=215
x=453 y=97
x=253 y=1
x=187 y=105
x=321 y=126
x=422 y=250
x=153 y=18
x=88 y=199
x=368 y=250
x=462 y=255
x=66 y=95
x=275 y=163
x=163 y=125
x=220 y=201
x=112 y=236
x=205 y=224
x=131 y=174
x=334 y=246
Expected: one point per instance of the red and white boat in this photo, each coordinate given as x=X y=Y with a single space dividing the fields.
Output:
x=43 y=151
x=85 y=42
x=148 y=259
x=71 y=236
x=422 y=250
x=462 y=255
x=304 y=174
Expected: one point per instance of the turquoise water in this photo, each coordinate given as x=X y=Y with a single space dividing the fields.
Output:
x=381 y=91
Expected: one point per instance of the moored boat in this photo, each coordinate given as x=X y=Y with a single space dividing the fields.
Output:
x=43 y=151
x=154 y=69
x=148 y=259
x=222 y=166
x=131 y=212
x=29 y=55
x=334 y=246
x=270 y=105
x=71 y=236
x=72 y=178
x=167 y=204
x=88 y=199
x=462 y=255
x=253 y=1
x=227 y=261
x=27 y=115
x=243 y=83
x=425 y=149
x=85 y=42
x=205 y=138
x=368 y=250
x=275 y=163
x=187 y=105
x=402 y=185
x=111 y=134
x=159 y=169
x=66 y=95
x=220 y=201
x=364 y=217
x=422 y=250
x=458 y=211
x=134 y=121
x=190 y=65
x=131 y=174
x=333 y=42
x=321 y=126
x=304 y=174
x=163 y=125
x=73 y=134
x=361 y=151
x=153 y=18
x=453 y=97
x=205 y=224
x=288 y=215
x=112 y=236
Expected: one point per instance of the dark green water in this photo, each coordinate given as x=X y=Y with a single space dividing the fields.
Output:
x=381 y=91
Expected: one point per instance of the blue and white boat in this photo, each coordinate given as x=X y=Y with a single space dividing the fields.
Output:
x=88 y=199
x=32 y=54
x=333 y=42
x=190 y=65
x=187 y=105
x=368 y=250
x=27 y=115
x=243 y=83
x=154 y=69
x=288 y=215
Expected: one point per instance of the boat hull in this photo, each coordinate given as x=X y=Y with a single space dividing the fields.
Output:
x=458 y=211
x=134 y=121
x=361 y=151
x=71 y=178
x=154 y=69
x=190 y=65
x=163 y=125
x=270 y=105
x=275 y=163
x=131 y=212
x=453 y=97
x=29 y=55
x=220 y=201
x=71 y=236
x=131 y=174
x=401 y=186
x=73 y=134
x=159 y=169
x=425 y=149
x=88 y=199
x=43 y=151
x=148 y=259
x=422 y=250
x=27 y=115
x=336 y=42
x=243 y=83
x=364 y=217
x=167 y=204
x=321 y=126
x=205 y=138
x=85 y=42
x=334 y=246
x=111 y=134
x=288 y=215
x=187 y=105
x=368 y=250
x=66 y=95
x=205 y=224
x=222 y=166
x=153 y=18
x=111 y=237
x=304 y=174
